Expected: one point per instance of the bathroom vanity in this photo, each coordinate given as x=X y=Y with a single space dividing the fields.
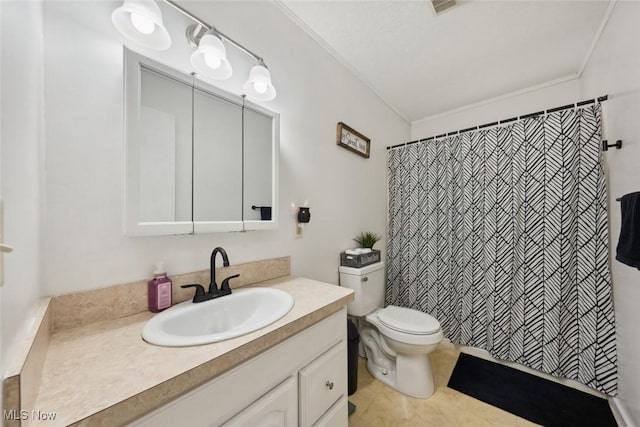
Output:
x=300 y=382
x=100 y=372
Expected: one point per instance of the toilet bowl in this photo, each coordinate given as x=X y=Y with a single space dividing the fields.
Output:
x=396 y=340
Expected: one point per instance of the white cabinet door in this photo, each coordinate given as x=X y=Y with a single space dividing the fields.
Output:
x=322 y=383
x=277 y=408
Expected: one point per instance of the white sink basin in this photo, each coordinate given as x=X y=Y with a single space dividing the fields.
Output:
x=242 y=312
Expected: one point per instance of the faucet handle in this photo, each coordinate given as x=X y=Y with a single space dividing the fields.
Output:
x=200 y=294
x=224 y=287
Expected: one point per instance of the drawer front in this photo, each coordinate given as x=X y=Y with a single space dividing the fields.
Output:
x=322 y=383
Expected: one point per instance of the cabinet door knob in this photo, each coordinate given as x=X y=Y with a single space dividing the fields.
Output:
x=329 y=384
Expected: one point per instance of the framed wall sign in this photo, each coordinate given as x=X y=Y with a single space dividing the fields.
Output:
x=353 y=140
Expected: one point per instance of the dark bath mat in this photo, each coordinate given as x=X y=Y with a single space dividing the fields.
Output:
x=528 y=396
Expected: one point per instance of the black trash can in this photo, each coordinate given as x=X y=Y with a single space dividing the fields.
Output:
x=353 y=338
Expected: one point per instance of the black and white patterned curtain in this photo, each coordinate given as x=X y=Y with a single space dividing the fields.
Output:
x=502 y=235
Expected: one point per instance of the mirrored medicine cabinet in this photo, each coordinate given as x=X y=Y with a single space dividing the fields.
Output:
x=197 y=159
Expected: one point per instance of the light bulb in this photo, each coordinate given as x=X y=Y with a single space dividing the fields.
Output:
x=142 y=23
x=260 y=87
x=212 y=61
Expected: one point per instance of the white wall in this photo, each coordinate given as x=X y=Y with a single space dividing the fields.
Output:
x=613 y=70
x=489 y=112
x=83 y=243
x=22 y=171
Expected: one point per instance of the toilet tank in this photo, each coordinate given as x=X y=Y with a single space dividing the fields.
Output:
x=368 y=285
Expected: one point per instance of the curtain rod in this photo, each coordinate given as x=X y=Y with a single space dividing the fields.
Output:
x=499 y=122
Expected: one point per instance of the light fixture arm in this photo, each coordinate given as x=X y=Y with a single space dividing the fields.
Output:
x=188 y=14
x=194 y=34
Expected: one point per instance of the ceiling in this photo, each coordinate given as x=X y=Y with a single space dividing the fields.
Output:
x=422 y=65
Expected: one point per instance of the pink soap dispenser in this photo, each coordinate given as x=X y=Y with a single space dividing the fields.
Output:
x=159 y=289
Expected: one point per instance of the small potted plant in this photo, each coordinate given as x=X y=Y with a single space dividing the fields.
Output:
x=366 y=239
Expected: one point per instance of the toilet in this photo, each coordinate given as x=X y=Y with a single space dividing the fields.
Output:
x=396 y=340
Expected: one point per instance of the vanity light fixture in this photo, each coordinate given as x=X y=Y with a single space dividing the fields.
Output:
x=140 y=21
x=210 y=57
x=259 y=85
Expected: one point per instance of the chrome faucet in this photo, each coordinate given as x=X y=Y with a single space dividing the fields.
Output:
x=214 y=292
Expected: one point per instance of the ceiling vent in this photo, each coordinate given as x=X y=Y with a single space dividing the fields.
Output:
x=440 y=6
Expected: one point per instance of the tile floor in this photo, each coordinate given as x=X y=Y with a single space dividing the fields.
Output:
x=379 y=405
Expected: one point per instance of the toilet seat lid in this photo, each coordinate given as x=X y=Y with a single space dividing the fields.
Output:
x=408 y=320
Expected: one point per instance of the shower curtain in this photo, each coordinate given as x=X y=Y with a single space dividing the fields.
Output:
x=501 y=234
